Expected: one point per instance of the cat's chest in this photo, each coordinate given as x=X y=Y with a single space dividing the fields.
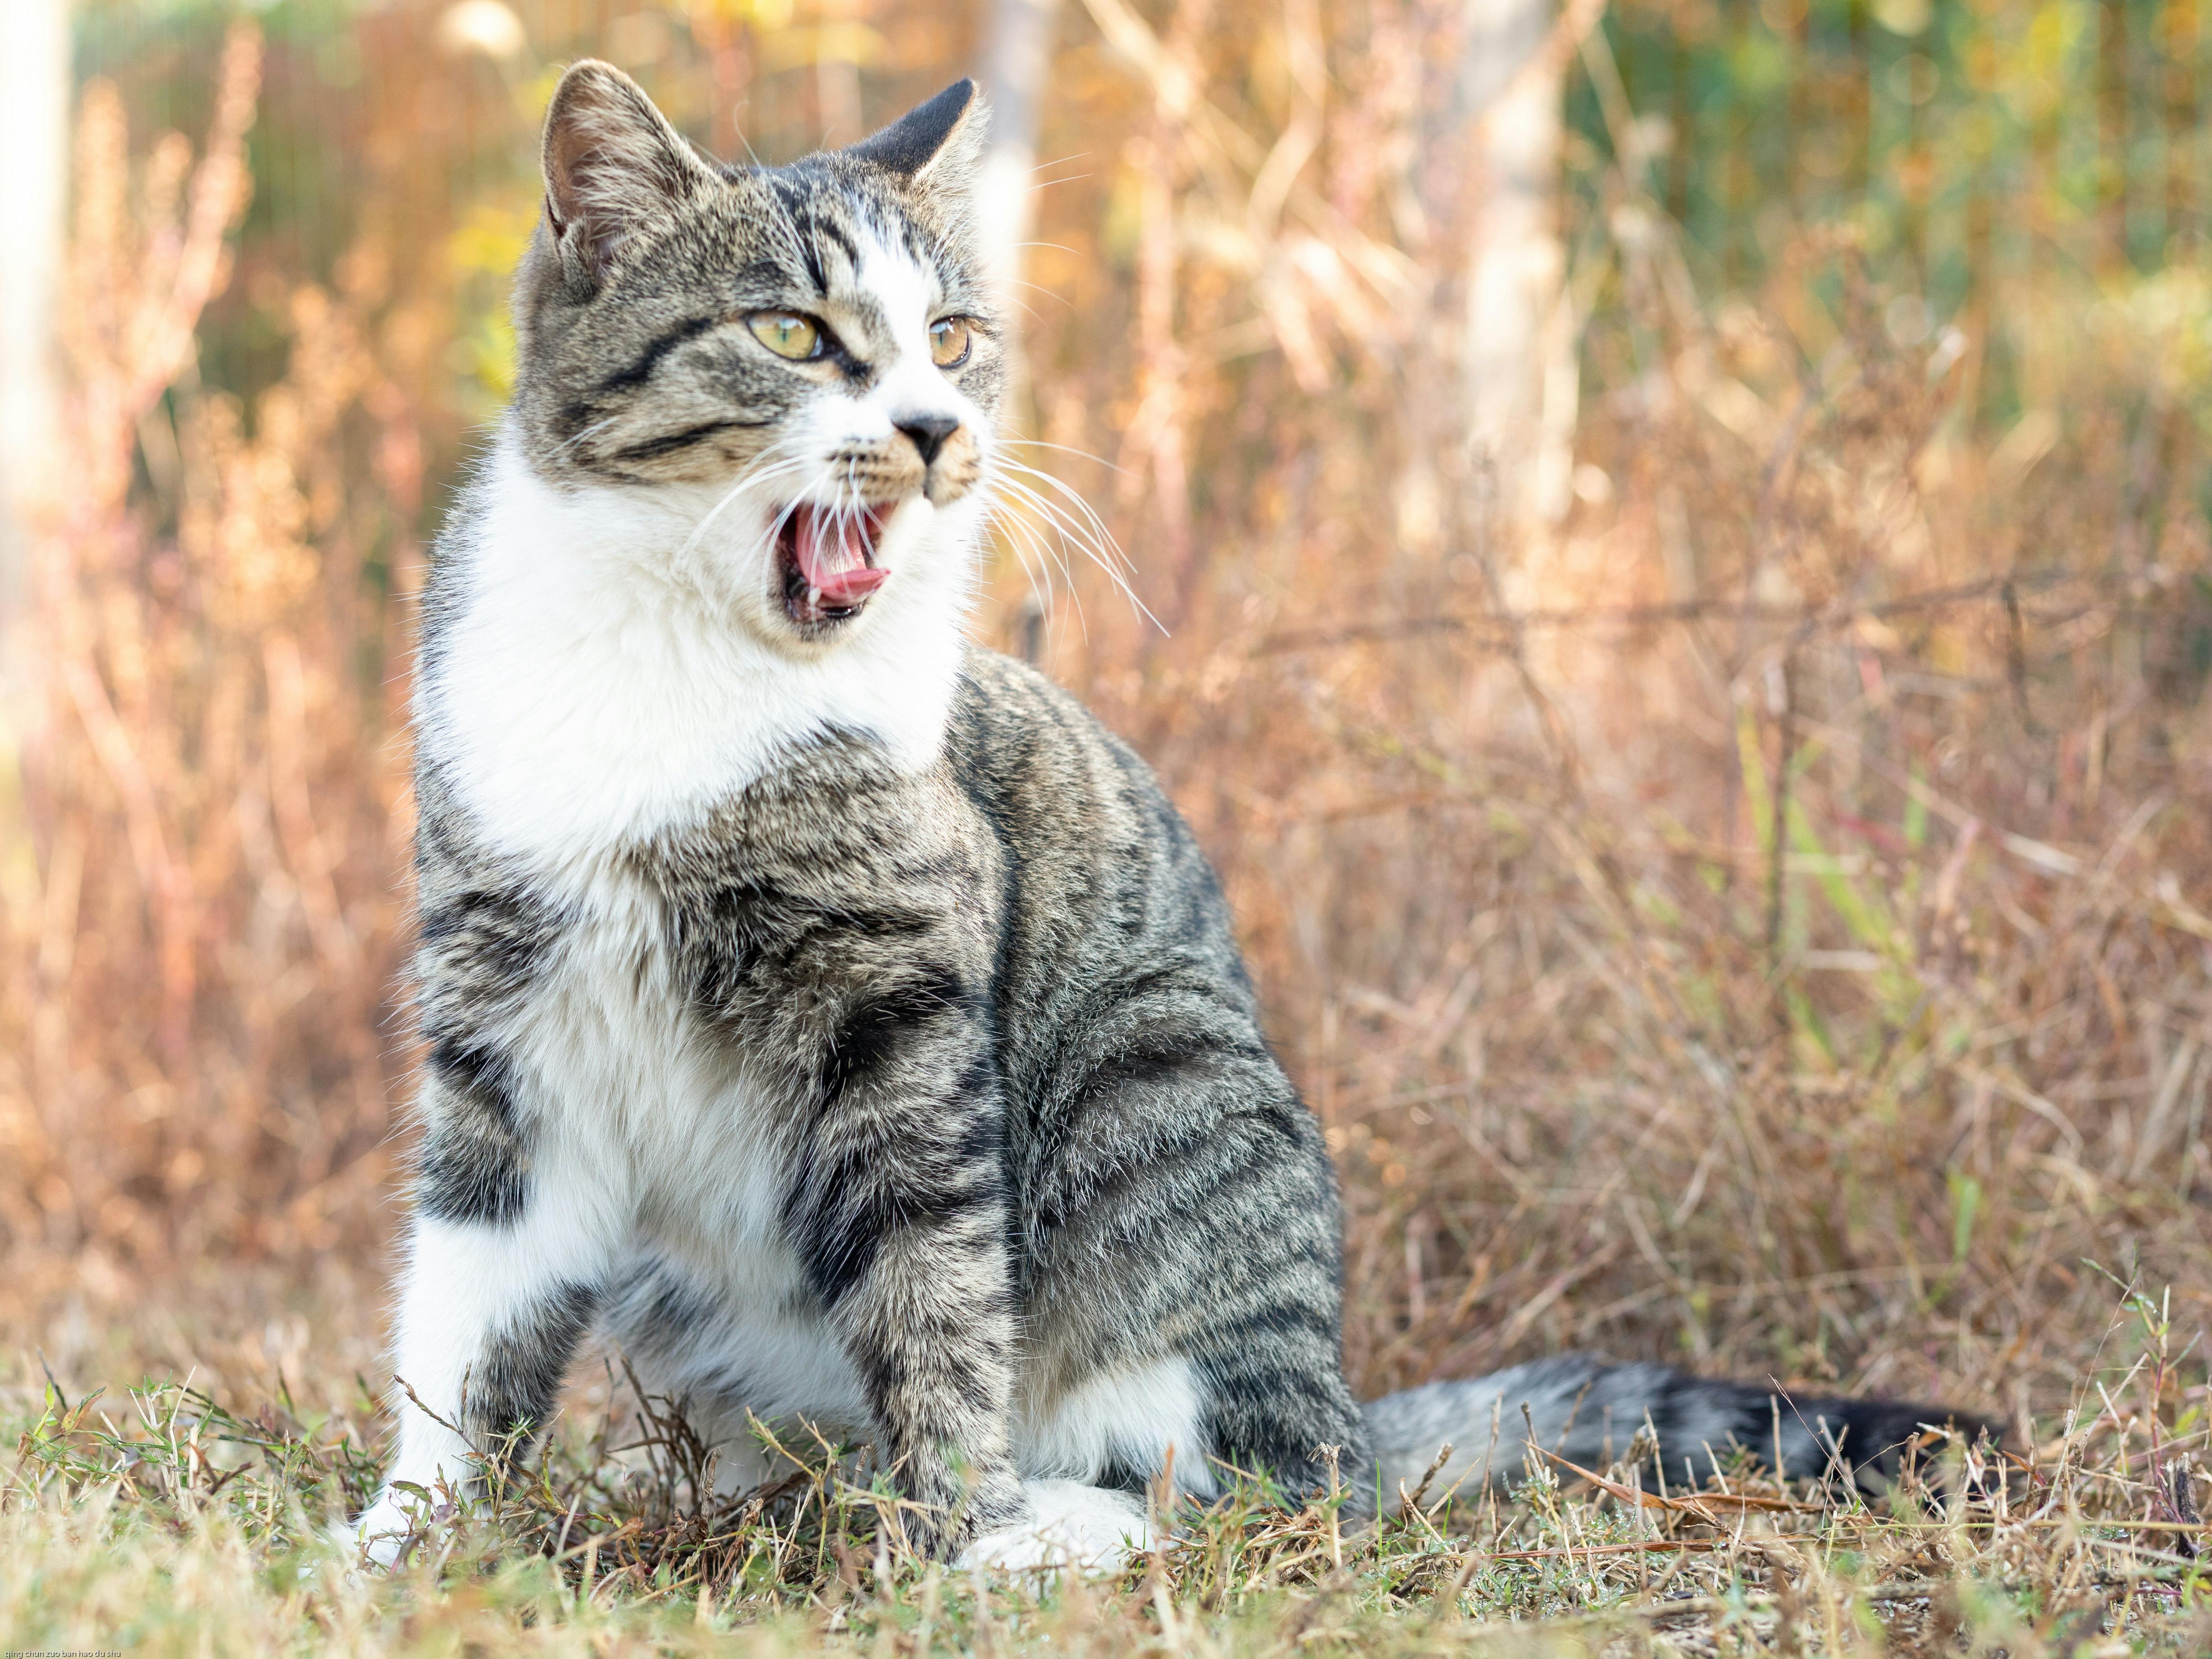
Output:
x=565 y=742
x=678 y=1108
x=575 y=700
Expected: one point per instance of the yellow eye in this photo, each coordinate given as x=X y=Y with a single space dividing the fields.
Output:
x=948 y=340
x=786 y=333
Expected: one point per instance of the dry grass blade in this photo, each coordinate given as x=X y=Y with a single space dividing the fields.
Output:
x=1706 y=1507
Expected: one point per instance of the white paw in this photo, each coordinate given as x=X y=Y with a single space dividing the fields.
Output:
x=1069 y=1525
x=391 y=1527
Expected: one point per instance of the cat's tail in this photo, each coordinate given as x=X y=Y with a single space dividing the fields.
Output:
x=1582 y=1408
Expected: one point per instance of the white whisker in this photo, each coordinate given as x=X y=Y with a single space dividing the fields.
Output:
x=1064 y=449
x=1023 y=538
x=565 y=445
x=1095 y=530
x=756 y=472
x=1083 y=526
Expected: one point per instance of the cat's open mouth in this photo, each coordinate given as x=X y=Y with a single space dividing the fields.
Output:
x=828 y=560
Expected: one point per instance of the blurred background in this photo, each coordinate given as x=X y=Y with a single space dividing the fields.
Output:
x=1669 y=552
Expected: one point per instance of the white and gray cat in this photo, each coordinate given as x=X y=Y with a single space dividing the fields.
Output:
x=828 y=1012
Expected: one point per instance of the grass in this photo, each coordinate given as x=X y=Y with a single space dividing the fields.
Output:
x=163 y=1522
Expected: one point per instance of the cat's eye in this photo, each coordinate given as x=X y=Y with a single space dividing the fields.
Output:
x=786 y=333
x=950 y=340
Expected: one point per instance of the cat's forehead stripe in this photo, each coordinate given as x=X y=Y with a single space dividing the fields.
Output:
x=819 y=208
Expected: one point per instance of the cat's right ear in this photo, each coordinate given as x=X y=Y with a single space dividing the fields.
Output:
x=613 y=164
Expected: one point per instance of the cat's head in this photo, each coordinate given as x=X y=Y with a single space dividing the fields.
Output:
x=802 y=359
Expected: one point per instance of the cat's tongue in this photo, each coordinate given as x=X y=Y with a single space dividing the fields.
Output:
x=831 y=550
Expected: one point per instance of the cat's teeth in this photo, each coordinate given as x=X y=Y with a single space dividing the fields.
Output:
x=827 y=549
x=833 y=553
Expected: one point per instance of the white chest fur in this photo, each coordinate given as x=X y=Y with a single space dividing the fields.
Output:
x=592 y=681
x=654 y=1129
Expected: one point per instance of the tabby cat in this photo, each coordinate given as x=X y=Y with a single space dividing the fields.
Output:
x=826 y=1011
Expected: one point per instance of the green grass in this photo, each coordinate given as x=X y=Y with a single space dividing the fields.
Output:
x=163 y=1522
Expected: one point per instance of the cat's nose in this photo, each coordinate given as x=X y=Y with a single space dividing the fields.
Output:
x=928 y=432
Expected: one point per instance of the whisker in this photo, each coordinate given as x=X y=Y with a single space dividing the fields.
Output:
x=597 y=426
x=1042 y=185
x=1064 y=449
x=767 y=541
x=1089 y=532
x=756 y=472
x=1024 y=538
x=1026 y=308
x=1059 y=537
x=798 y=499
x=1039 y=583
x=1096 y=526
x=1036 y=183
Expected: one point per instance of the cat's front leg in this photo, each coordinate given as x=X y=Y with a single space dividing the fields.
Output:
x=899 y=1213
x=502 y=1282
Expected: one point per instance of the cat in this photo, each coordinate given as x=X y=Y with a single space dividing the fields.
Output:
x=827 y=1011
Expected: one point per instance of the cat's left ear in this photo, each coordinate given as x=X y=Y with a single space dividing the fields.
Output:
x=933 y=146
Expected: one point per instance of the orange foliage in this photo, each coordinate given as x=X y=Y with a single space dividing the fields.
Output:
x=1762 y=917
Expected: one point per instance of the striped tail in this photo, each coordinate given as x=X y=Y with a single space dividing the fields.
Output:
x=1589 y=1412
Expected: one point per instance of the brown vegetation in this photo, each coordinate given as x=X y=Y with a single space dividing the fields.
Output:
x=202 y=916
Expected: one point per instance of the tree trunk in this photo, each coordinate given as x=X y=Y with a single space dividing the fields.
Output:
x=1016 y=64
x=35 y=81
x=1519 y=351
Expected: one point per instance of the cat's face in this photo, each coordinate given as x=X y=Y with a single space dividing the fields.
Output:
x=801 y=360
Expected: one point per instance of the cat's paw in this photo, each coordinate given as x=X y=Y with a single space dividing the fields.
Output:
x=391 y=1528
x=1069 y=1526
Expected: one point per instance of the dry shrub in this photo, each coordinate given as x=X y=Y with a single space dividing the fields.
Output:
x=1496 y=801
x=1608 y=1058
x=193 y=1062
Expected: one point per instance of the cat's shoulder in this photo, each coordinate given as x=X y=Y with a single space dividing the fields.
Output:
x=1014 y=729
x=1002 y=705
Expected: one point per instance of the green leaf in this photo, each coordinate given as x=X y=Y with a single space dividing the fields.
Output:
x=1965 y=1205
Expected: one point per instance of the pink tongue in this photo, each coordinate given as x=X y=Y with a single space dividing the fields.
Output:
x=833 y=555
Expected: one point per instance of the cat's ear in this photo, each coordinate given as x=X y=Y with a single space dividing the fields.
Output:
x=933 y=146
x=612 y=164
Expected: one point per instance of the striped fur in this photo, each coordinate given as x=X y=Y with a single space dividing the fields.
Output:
x=833 y=1014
